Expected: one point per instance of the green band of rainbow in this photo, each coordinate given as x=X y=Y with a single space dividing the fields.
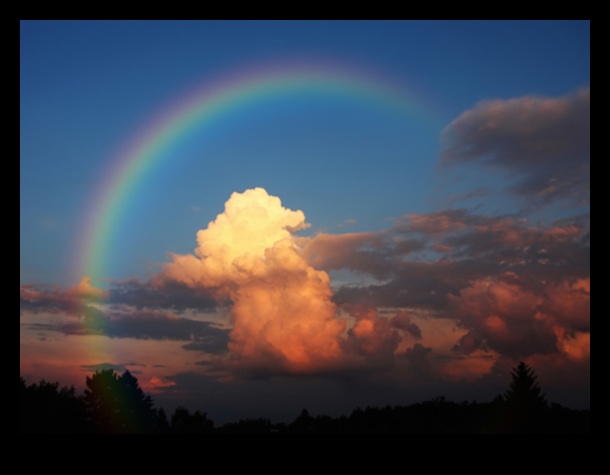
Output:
x=139 y=156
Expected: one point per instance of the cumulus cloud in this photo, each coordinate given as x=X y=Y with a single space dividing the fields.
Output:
x=504 y=315
x=460 y=247
x=514 y=289
x=372 y=336
x=544 y=143
x=282 y=313
x=402 y=321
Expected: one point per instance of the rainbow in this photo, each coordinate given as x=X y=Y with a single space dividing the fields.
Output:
x=143 y=151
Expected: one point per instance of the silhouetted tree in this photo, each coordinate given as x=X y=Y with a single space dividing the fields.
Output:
x=138 y=413
x=185 y=423
x=116 y=404
x=161 y=423
x=525 y=406
x=524 y=390
x=46 y=408
x=303 y=423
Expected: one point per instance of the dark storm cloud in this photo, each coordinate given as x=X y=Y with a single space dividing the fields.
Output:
x=542 y=142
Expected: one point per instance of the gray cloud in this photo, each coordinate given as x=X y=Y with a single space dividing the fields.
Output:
x=121 y=320
x=473 y=247
x=543 y=143
x=170 y=295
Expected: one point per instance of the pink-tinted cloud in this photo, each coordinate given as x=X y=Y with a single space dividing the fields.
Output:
x=453 y=295
x=434 y=223
x=403 y=321
x=72 y=301
x=503 y=315
x=372 y=335
x=157 y=385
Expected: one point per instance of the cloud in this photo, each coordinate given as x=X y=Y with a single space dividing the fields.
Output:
x=372 y=252
x=356 y=251
x=168 y=295
x=282 y=313
x=85 y=310
x=347 y=222
x=125 y=322
x=402 y=321
x=513 y=288
x=372 y=336
x=453 y=295
x=544 y=143
x=504 y=315
x=157 y=385
x=458 y=247
x=73 y=301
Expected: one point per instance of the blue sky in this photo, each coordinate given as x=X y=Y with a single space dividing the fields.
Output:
x=86 y=86
x=351 y=166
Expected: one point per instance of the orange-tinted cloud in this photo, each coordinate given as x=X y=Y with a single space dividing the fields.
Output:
x=504 y=315
x=371 y=334
x=434 y=223
x=53 y=300
x=157 y=384
x=282 y=312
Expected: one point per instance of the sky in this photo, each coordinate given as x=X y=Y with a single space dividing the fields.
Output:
x=255 y=217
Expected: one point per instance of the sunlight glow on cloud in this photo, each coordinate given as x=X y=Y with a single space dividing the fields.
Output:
x=282 y=312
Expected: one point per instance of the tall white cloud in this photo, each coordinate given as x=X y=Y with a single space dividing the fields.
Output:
x=282 y=312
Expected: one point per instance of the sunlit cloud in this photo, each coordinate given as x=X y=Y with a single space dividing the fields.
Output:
x=282 y=314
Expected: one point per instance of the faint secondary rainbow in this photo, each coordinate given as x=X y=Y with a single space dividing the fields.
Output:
x=143 y=151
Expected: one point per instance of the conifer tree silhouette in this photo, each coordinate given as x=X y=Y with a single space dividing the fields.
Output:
x=524 y=390
x=525 y=405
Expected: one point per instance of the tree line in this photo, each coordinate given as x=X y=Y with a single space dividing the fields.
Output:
x=115 y=404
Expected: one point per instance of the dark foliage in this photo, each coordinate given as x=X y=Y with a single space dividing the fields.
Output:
x=45 y=408
x=116 y=404
x=183 y=422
